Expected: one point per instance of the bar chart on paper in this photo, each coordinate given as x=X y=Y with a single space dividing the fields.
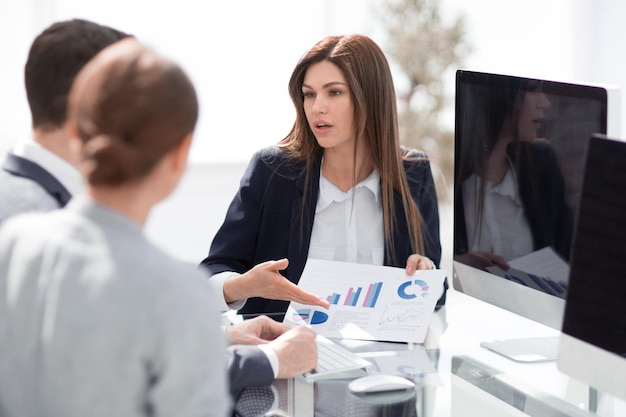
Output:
x=353 y=296
x=363 y=296
x=367 y=302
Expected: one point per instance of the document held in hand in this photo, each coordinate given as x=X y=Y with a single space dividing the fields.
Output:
x=368 y=302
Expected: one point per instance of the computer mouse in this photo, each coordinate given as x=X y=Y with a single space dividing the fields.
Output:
x=380 y=383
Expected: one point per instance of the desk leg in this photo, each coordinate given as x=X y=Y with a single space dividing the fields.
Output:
x=301 y=398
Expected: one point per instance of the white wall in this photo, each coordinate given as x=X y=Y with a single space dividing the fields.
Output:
x=240 y=54
x=562 y=40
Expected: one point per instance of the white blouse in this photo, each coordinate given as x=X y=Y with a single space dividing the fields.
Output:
x=348 y=226
x=504 y=229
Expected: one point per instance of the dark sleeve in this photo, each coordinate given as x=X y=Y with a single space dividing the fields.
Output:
x=426 y=198
x=542 y=189
x=561 y=216
x=423 y=191
x=234 y=244
x=247 y=366
x=422 y=187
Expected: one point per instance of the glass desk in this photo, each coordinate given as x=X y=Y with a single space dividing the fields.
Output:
x=453 y=376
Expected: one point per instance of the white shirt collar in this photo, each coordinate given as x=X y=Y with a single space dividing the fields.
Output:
x=329 y=193
x=69 y=176
x=508 y=186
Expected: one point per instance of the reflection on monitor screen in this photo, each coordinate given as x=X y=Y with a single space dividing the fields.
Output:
x=519 y=150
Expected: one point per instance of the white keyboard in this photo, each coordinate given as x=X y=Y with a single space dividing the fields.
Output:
x=336 y=362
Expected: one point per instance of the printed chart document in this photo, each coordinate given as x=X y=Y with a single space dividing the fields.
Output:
x=545 y=263
x=368 y=302
x=543 y=270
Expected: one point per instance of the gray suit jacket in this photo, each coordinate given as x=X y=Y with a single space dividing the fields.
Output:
x=98 y=312
x=26 y=186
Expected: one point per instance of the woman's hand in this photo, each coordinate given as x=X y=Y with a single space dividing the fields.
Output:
x=264 y=280
x=482 y=260
x=416 y=261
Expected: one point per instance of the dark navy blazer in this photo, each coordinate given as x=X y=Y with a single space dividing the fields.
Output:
x=265 y=220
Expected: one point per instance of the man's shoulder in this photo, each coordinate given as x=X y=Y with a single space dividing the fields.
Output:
x=21 y=195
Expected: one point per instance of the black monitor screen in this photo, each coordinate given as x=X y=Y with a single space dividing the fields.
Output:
x=596 y=303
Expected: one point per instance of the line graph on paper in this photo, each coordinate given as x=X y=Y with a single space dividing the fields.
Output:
x=401 y=315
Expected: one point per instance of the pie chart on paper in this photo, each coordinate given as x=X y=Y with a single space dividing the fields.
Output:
x=310 y=316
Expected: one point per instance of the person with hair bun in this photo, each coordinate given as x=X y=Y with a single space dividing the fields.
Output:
x=94 y=319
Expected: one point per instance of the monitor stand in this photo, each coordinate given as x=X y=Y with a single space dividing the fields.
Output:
x=529 y=349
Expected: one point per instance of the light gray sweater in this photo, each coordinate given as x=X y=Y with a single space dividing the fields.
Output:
x=96 y=321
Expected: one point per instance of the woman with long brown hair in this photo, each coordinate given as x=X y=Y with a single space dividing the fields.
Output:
x=339 y=186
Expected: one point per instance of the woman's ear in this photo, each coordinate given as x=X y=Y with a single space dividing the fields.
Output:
x=180 y=154
x=74 y=144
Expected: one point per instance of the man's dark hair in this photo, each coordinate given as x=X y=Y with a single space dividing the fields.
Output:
x=55 y=58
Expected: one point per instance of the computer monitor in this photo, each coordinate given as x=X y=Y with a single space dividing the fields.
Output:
x=593 y=339
x=519 y=151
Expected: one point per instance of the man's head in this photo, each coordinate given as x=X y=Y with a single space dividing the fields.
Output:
x=55 y=58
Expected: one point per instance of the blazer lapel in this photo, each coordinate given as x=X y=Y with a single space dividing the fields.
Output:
x=399 y=237
x=22 y=167
x=301 y=223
